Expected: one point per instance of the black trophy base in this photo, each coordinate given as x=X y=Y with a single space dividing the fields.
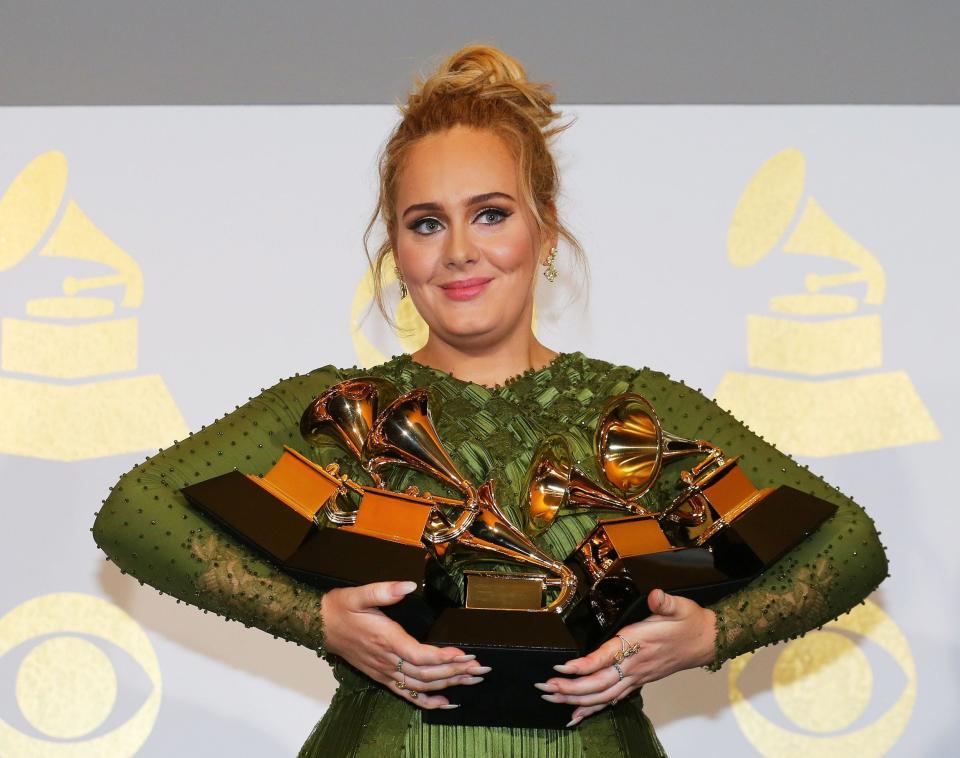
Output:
x=521 y=648
x=336 y=557
x=769 y=529
x=620 y=598
x=251 y=512
x=325 y=558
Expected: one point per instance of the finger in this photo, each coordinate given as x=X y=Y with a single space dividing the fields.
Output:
x=411 y=696
x=617 y=691
x=419 y=685
x=588 y=664
x=427 y=702
x=581 y=685
x=378 y=594
x=413 y=652
x=583 y=711
x=447 y=671
x=662 y=604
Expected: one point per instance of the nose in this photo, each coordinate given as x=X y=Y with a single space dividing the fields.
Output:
x=459 y=249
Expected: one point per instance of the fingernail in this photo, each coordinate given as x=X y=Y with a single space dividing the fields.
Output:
x=407 y=587
x=545 y=687
x=552 y=698
x=659 y=596
x=473 y=680
x=573 y=722
x=563 y=668
x=464 y=658
x=450 y=706
x=479 y=670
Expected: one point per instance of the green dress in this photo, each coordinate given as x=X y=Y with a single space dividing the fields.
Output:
x=146 y=527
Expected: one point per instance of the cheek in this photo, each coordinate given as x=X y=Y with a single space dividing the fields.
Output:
x=419 y=261
x=512 y=253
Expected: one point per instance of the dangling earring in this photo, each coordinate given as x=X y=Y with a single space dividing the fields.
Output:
x=551 y=271
x=403 y=284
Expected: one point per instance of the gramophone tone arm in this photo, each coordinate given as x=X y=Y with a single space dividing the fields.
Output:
x=566 y=581
x=332 y=509
x=714 y=456
x=375 y=475
x=468 y=512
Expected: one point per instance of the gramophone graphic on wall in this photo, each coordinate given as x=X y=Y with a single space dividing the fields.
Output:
x=521 y=611
x=72 y=357
x=820 y=350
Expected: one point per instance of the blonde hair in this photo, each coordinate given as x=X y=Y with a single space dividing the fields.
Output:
x=482 y=87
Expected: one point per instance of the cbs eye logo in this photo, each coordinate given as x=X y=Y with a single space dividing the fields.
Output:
x=823 y=684
x=66 y=686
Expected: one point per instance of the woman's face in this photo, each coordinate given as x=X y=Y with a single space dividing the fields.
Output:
x=465 y=244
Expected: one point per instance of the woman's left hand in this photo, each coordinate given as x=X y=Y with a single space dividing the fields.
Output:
x=680 y=634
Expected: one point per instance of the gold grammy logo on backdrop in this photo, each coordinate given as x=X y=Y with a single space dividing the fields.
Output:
x=822 y=331
x=52 y=401
x=823 y=683
x=66 y=686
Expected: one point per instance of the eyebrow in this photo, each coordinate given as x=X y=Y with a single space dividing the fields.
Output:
x=434 y=206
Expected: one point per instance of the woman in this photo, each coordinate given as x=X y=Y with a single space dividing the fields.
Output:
x=467 y=195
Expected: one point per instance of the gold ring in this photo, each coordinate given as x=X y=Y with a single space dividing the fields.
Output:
x=413 y=694
x=401 y=682
x=626 y=649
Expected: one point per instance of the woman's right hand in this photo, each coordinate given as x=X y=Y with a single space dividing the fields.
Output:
x=359 y=632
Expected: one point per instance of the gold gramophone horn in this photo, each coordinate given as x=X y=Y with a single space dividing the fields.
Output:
x=346 y=412
x=404 y=434
x=555 y=487
x=490 y=537
x=632 y=446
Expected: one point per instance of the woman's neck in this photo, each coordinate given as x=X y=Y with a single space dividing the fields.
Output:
x=488 y=366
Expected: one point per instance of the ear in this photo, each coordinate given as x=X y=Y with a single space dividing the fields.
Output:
x=550 y=213
x=554 y=239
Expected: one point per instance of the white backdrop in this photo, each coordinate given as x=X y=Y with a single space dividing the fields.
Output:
x=240 y=228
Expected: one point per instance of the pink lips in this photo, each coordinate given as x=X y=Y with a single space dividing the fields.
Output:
x=465 y=289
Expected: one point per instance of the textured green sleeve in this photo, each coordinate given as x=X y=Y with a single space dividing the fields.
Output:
x=826 y=575
x=150 y=531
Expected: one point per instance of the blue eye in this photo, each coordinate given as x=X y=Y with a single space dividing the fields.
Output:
x=415 y=226
x=497 y=213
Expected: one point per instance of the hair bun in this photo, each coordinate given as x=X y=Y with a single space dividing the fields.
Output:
x=487 y=72
x=485 y=63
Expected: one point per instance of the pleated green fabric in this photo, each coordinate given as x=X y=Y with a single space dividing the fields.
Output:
x=150 y=531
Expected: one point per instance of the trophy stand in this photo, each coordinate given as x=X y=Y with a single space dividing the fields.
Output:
x=622 y=560
x=521 y=643
x=752 y=528
x=506 y=623
x=280 y=512
x=715 y=537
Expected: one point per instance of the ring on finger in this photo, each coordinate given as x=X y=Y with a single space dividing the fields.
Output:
x=400 y=665
x=614 y=701
x=626 y=649
x=402 y=684
x=620 y=673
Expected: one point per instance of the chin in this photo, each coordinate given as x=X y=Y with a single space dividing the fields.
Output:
x=469 y=327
